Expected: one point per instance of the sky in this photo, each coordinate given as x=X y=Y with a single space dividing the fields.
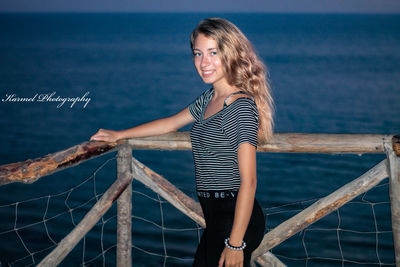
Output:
x=267 y=6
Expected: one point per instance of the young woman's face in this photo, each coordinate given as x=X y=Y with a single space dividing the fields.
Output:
x=208 y=61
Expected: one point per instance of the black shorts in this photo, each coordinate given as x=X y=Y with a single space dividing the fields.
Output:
x=219 y=210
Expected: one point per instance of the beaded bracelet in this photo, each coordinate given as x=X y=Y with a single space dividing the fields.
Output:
x=233 y=247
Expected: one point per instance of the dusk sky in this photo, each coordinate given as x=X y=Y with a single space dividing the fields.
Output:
x=268 y=6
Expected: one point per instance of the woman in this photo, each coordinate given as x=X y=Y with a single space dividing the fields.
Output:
x=228 y=120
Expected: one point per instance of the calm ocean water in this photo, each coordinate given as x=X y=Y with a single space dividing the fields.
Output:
x=330 y=74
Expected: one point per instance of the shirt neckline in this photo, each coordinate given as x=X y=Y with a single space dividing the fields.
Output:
x=202 y=119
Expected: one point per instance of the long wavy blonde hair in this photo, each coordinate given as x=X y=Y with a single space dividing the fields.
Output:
x=243 y=68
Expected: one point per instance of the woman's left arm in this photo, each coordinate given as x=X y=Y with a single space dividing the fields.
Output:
x=244 y=204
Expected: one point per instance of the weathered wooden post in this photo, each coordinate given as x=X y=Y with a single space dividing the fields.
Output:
x=124 y=206
x=393 y=164
x=55 y=257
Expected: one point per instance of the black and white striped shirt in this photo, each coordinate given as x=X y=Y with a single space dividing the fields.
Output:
x=215 y=141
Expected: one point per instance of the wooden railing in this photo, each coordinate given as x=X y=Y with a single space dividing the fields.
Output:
x=128 y=168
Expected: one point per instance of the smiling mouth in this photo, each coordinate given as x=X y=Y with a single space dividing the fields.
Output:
x=207 y=73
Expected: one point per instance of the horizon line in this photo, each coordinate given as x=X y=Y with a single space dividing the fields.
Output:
x=203 y=12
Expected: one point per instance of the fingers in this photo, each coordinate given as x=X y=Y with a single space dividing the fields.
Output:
x=101 y=135
x=231 y=258
x=222 y=259
x=95 y=137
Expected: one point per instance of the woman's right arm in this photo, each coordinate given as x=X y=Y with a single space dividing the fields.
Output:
x=157 y=127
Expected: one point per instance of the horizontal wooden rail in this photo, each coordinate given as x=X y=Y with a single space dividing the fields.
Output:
x=281 y=142
x=30 y=170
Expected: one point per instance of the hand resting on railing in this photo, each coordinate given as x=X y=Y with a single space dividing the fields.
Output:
x=105 y=135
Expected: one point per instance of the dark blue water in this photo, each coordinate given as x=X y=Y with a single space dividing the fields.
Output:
x=329 y=73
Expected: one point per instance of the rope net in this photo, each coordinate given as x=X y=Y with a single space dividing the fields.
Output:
x=335 y=240
x=162 y=236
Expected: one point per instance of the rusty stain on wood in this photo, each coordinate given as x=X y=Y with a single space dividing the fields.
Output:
x=32 y=169
x=396 y=144
x=331 y=207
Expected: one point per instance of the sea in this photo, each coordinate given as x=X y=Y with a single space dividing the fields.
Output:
x=63 y=76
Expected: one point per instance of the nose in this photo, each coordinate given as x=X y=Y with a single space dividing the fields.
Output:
x=205 y=61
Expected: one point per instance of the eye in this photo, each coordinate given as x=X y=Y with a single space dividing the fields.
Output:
x=214 y=53
x=196 y=54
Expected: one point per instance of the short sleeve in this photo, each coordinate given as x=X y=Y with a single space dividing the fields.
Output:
x=240 y=122
x=197 y=106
